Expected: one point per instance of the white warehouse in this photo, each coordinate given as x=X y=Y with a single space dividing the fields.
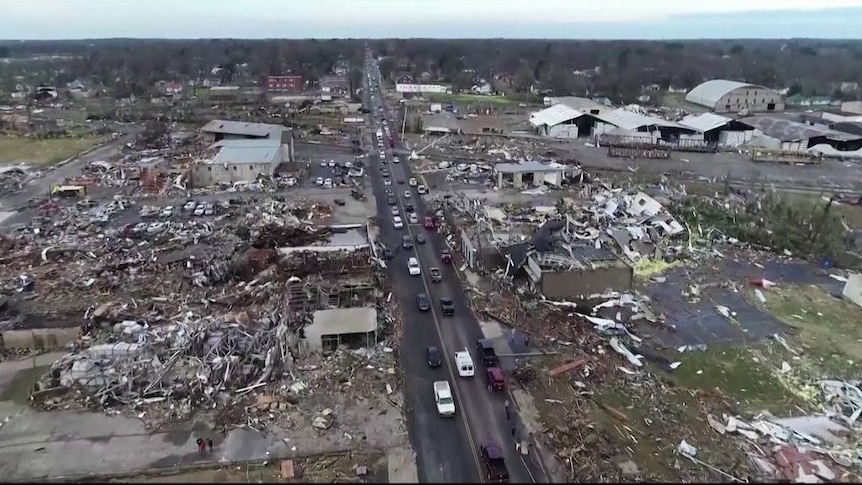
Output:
x=722 y=96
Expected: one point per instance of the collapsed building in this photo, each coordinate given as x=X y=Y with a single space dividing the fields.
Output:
x=573 y=249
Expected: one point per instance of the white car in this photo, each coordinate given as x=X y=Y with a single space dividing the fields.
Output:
x=319 y=181
x=168 y=211
x=190 y=205
x=443 y=398
x=413 y=267
x=387 y=182
x=407 y=194
x=327 y=183
x=323 y=164
x=396 y=160
x=412 y=182
x=395 y=211
x=291 y=181
x=331 y=163
x=412 y=218
x=397 y=222
x=422 y=190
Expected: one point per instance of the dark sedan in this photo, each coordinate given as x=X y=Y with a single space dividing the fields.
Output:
x=423 y=302
x=447 y=305
x=432 y=356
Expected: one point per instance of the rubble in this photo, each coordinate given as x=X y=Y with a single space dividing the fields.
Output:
x=186 y=317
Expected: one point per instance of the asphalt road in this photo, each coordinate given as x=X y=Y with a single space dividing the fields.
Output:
x=444 y=453
x=442 y=448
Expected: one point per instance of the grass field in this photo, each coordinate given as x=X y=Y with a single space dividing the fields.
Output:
x=43 y=152
x=471 y=99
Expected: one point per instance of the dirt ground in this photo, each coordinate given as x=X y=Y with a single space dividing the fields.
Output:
x=323 y=469
x=43 y=152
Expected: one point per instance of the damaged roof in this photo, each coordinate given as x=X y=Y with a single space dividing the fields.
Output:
x=704 y=122
x=629 y=120
x=340 y=321
x=576 y=102
x=524 y=167
x=241 y=128
x=556 y=114
x=786 y=130
x=232 y=152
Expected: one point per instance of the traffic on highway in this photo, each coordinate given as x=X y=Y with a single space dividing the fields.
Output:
x=459 y=419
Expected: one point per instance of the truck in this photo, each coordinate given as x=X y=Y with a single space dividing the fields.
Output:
x=487 y=355
x=444 y=400
x=436 y=276
x=495 y=465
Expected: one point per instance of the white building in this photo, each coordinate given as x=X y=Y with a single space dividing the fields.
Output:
x=231 y=161
x=724 y=96
x=529 y=174
x=558 y=121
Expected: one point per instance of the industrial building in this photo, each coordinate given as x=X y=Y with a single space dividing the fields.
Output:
x=563 y=121
x=791 y=136
x=724 y=96
x=348 y=327
x=232 y=161
x=217 y=130
x=719 y=130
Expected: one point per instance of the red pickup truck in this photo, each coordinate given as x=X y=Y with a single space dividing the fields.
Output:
x=428 y=223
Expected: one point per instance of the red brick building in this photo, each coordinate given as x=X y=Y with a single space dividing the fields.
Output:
x=290 y=83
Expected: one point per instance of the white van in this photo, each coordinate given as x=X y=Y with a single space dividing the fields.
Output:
x=464 y=363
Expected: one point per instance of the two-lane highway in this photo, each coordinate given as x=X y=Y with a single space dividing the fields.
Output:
x=484 y=409
x=443 y=448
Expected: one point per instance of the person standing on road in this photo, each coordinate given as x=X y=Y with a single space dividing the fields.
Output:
x=508 y=413
x=202 y=446
x=210 y=445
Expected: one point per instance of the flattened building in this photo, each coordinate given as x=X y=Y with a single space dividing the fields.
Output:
x=723 y=96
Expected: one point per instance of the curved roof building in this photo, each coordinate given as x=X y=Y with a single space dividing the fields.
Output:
x=723 y=96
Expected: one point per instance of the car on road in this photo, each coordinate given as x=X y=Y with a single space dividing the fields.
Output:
x=422 y=190
x=494 y=379
x=447 y=305
x=436 y=276
x=464 y=364
x=331 y=163
x=492 y=459
x=190 y=206
x=412 y=218
x=318 y=181
x=400 y=181
x=389 y=192
x=432 y=357
x=422 y=302
x=391 y=200
x=443 y=399
x=199 y=210
x=395 y=211
x=387 y=182
x=487 y=354
x=428 y=223
x=323 y=164
x=408 y=207
x=397 y=222
x=407 y=194
x=420 y=238
x=396 y=160
x=412 y=182
x=406 y=242
x=413 y=267
x=327 y=183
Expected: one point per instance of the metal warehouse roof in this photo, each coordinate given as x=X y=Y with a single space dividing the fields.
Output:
x=556 y=114
x=628 y=120
x=340 y=321
x=708 y=93
x=233 y=152
x=704 y=122
x=524 y=167
x=578 y=103
x=786 y=130
x=242 y=128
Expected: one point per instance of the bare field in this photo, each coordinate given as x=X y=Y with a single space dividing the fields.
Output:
x=43 y=152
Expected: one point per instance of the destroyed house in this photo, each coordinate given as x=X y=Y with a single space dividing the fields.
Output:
x=348 y=327
x=335 y=85
x=232 y=161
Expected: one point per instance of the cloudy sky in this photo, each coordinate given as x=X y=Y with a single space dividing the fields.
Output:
x=573 y=19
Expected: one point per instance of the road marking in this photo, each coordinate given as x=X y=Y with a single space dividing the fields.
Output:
x=423 y=276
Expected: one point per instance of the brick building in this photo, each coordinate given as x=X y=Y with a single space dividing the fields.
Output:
x=289 y=83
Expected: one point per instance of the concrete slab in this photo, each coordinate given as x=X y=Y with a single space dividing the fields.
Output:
x=401 y=465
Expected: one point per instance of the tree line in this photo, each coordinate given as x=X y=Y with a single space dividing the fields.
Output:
x=617 y=69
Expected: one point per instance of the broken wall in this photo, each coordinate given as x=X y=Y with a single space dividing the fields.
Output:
x=39 y=338
x=575 y=283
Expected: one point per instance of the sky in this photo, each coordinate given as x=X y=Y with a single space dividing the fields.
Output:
x=556 y=19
